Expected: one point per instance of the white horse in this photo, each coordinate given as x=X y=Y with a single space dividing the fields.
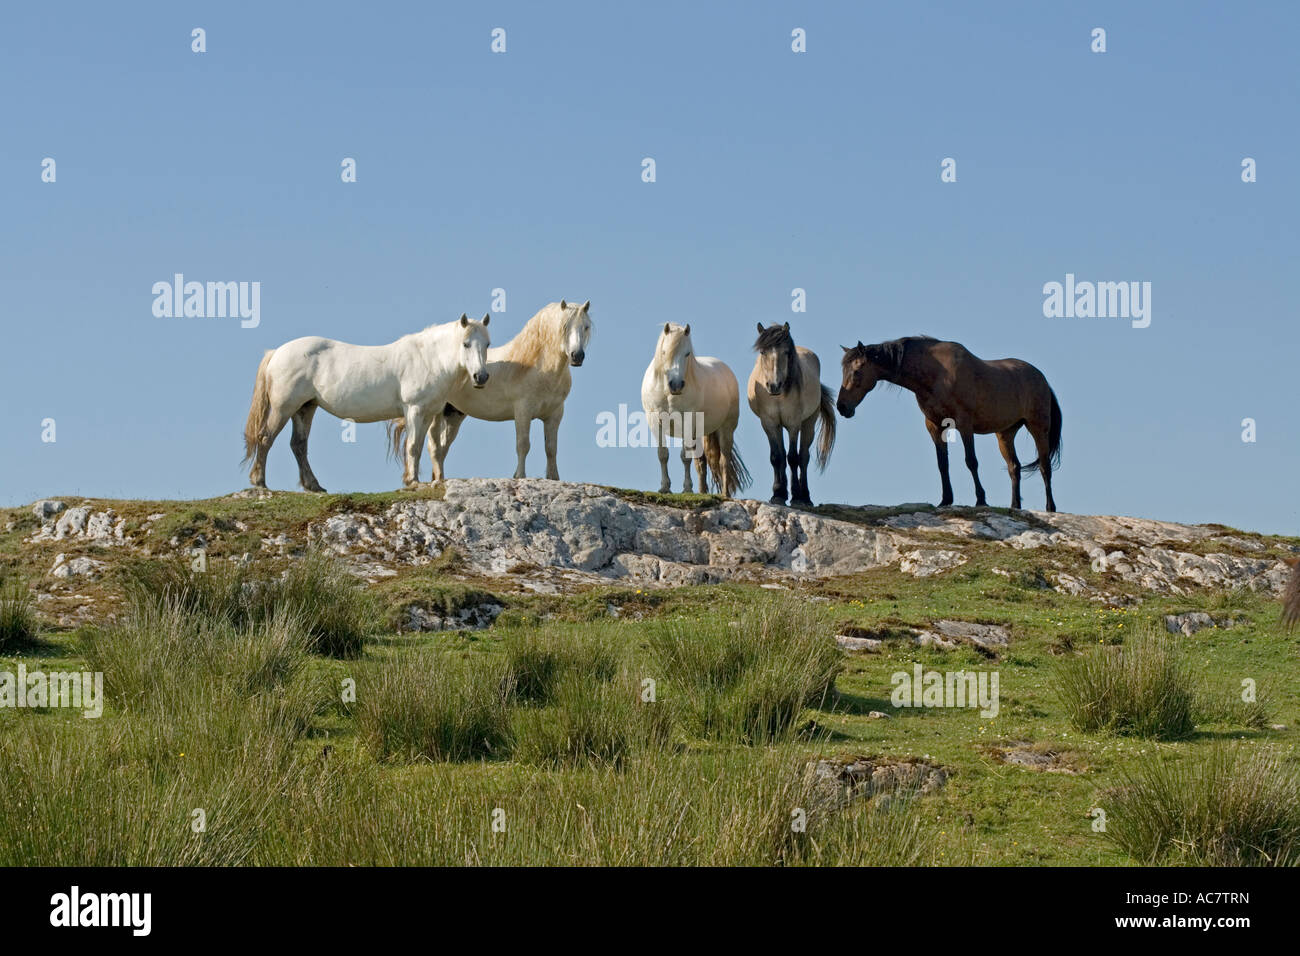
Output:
x=364 y=383
x=529 y=378
x=694 y=398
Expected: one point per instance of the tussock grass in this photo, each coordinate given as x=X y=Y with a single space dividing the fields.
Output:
x=1231 y=806
x=330 y=605
x=436 y=706
x=1143 y=688
x=538 y=659
x=751 y=681
x=210 y=718
x=19 y=623
x=733 y=808
x=591 y=719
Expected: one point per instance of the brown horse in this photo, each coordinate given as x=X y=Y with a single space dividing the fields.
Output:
x=969 y=395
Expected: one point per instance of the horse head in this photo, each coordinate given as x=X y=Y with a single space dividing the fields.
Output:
x=474 y=345
x=577 y=330
x=861 y=372
x=778 y=361
x=674 y=355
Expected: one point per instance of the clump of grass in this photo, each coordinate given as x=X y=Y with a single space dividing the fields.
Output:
x=751 y=681
x=434 y=706
x=1143 y=688
x=159 y=655
x=537 y=659
x=591 y=720
x=18 y=621
x=315 y=589
x=1233 y=806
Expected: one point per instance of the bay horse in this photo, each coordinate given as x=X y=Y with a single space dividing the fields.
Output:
x=362 y=383
x=529 y=379
x=785 y=392
x=694 y=398
x=969 y=395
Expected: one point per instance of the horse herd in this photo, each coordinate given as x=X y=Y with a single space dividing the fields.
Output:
x=425 y=384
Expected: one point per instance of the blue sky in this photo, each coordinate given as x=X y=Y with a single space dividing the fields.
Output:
x=775 y=170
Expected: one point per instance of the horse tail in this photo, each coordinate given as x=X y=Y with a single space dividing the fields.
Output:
x=259 y=410
x=1291 y=596
x=734 y=464
x=396 y=431
x=1053 y=443
x=826 y=442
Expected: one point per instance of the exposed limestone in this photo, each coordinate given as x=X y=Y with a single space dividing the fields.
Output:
x=839 y=781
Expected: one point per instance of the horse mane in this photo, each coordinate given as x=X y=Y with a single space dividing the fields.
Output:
x=779 y=337
x=541 y=338
x=887 y=356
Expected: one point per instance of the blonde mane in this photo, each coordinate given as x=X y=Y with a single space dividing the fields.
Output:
x=541 y=342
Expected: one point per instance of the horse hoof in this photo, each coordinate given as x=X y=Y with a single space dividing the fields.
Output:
x=801 y=503
x=776 y=500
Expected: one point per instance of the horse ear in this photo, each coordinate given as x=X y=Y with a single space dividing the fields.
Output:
x=485 y=318
x=688 y=328
x=787 y=326
x=585 y=306
x=665 y=328
x=563 y=305
x=464 y=319
x=860 y=345
x=760 y=328
x=846 y=348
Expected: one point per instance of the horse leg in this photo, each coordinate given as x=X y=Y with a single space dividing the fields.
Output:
x=688 y=445
x=713 y=457
x=1043 y=442
x=521 y=443
x=298 y=442
x=1007 y=445
x=722 y=469
x=551 y=430
x=442 y=432
x=417 y=427
x=941 y=455
x=968 y=440
x=776 y=454
x=275 y=422
x=802 y=495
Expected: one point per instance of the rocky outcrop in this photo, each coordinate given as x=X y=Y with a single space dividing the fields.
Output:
x=587 y=532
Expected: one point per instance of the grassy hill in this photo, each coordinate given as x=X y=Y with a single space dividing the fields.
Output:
x=531 y=740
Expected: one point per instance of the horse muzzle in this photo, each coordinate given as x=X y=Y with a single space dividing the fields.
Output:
x=844 y=408
x=577 y=358
x=675 y=388
x=774 y=389
x=480 y=379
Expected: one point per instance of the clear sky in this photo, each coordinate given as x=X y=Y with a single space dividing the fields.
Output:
x=775 y=170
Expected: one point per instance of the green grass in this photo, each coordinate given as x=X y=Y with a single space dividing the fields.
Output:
x=314 y=589
x=1230 y=806
x=19 y=624
x=436 y=706
x=748 y=680
x=1142 y=688
x=288 y=774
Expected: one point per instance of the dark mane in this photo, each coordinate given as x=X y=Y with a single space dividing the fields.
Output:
x=772 y=337
x=778 y=337
x=888 y=356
